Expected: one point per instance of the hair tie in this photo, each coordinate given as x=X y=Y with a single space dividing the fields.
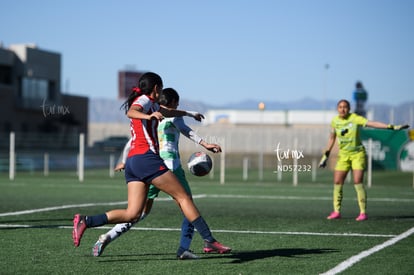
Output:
x=136 y=90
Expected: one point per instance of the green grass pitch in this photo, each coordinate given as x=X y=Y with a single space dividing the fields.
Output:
x=272 y=226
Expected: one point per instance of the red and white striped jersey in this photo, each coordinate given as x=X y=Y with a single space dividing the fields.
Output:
x=144 y=132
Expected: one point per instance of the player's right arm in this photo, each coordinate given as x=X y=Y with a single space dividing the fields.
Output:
x=122 y=159
x=331 y=140
x=170 y=112
x=327 y=151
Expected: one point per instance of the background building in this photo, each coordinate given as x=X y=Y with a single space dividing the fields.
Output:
x=126 y=81
x=32 y=104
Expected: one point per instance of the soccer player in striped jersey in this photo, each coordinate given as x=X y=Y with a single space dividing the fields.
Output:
x=144 y=166
x=169 y=130
x=345 y=127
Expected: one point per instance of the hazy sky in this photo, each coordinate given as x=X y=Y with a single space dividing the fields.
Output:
x=224 y=51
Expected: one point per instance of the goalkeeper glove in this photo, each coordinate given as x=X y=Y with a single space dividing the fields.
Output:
x=397 y=127
x=324 y=159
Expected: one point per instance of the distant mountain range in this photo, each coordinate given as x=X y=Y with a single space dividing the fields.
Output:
x=108 y=110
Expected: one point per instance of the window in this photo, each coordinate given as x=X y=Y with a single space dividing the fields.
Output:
x=33 y=92
x=36 y=89
x=5 y=75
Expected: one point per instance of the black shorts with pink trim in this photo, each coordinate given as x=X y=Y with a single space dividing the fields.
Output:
x=144 y=167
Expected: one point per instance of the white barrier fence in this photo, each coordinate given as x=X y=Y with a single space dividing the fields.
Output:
x=288 y=149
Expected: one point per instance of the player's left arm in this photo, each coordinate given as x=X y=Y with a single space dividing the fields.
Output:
x=381 y=125
x=136 y=112
x=212 y=147
x=189 y=133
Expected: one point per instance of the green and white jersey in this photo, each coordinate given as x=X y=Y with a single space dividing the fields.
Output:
x=347 y=132
x=169 y=131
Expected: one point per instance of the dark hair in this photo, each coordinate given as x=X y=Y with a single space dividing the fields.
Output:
x=346 y=102
x=146 y=84
x=167 y=96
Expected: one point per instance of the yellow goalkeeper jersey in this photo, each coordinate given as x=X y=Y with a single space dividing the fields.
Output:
x=347 y=132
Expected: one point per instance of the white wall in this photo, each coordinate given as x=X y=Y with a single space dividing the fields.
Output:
x=269 y=117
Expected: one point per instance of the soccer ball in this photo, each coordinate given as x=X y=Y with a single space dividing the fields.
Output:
x=199 y=164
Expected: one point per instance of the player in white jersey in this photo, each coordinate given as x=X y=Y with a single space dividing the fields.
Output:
x=169 y=130
x=144 y=167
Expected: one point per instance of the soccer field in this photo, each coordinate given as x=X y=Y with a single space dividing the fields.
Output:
x=272 y=226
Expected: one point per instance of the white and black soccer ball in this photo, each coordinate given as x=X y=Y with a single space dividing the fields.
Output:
x=199 y=164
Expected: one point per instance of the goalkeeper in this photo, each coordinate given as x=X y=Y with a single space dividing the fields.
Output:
x=345 y=127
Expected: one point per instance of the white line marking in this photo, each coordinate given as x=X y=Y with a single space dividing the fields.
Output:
x=195 y=197
x=300 y=198
x=217 y=230
x=339 y=268
x=58 y=208
x=354 y=259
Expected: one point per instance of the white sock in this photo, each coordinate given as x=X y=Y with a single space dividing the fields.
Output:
x=122 y=228
x=118 y=230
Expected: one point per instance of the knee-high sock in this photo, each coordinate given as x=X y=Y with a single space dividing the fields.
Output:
x=122 y=228
x=202 y=228
x=187 y=232
x=118 y=230
x=362 y=197
x=337 y=197
x=97 y=220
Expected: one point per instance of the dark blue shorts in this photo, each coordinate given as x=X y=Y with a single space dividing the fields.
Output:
x=145 y=167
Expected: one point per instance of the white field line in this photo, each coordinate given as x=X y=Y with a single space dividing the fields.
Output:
x=217 y=230
x=354 y=259
x=339 y=268
x=31 y=211
x=299 y=198
x=177 y=229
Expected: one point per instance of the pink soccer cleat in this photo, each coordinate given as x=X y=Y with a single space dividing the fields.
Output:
x=362 y=217
x=334 y=215
x=79 y=226
x=215 y=246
